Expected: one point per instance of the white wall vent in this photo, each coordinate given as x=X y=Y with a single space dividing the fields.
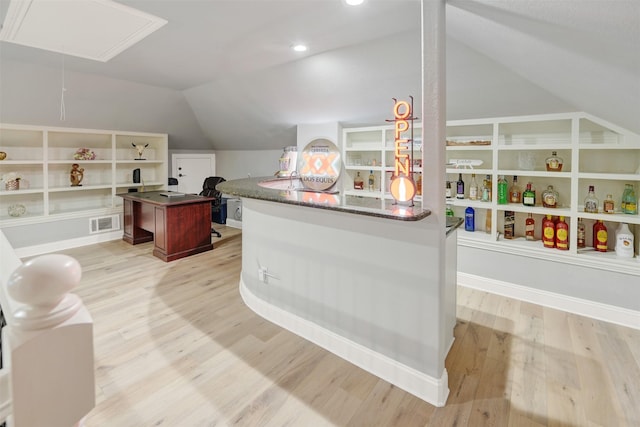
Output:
x=104 y=223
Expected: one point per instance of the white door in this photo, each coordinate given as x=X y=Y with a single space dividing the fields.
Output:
x=191 y=171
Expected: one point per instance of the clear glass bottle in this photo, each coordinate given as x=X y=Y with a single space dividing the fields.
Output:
x=529 y=196
x=630 y=200
x=515 y=193
x=460 y=187
x=473 y=188
x=591 y=201
x=582 y=242
x=486 y=189
x=372 y=181
x=550 y=197
x=502 y=191
x=608 y=205
x=554 y=163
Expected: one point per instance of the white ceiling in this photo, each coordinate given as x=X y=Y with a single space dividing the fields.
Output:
x=233 y=63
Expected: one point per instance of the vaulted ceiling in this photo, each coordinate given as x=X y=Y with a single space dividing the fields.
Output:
x=228 y=64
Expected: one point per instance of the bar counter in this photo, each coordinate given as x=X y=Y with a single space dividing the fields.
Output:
x=371 y=285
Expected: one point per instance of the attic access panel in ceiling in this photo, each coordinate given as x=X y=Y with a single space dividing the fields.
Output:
x=91 y=29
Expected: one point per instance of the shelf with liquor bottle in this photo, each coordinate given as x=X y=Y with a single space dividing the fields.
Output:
x=71 y=173
x=567 y=151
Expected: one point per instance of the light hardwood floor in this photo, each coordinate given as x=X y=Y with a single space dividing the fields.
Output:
x=176 y=346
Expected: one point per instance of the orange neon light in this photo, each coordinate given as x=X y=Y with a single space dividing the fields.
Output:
x=402 y=187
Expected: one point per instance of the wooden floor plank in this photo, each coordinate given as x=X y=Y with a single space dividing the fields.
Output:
x=176 y=346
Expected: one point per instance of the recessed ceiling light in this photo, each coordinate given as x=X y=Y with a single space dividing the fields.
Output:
x=354 y=2
x=299 y=47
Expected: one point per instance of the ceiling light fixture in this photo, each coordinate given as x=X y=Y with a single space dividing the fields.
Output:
x=354 y=2
x=299 y=47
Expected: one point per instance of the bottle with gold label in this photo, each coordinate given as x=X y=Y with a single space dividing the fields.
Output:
x=372 y=181
x=554 y=163
x=562 y=235
x=600 y=236
x=548 y=232
x=515 y=193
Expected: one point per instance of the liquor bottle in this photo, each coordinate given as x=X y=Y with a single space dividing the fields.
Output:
x=529 y=227
x=509 y=224
x=460 y=187
x=515 y=194
x=608 y=206
x=624 y=241
x=358 y=182
x=486 y=189
x=449 y=211
x=469 y=219
x=562 y=235
x=548 y=232
x=581 y=234
x=372 y=180
x=447 y=192
x=487 y=222
x=629 y=200
x=529 y=196
x=550 y=197
x=554 y=163
x=419 y=185
x=600 y=236
x=502 y=190
x=473 y=188
x=591 y=201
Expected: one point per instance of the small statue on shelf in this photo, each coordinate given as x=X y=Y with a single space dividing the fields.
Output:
x=140 y=149
x=76 y=175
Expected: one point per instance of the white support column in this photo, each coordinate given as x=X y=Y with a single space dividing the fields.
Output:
x=434 y=134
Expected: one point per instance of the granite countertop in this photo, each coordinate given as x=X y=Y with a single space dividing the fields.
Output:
x=250 y=188
x=453 y=223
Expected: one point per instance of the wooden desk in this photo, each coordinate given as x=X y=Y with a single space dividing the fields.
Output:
x=179 y=226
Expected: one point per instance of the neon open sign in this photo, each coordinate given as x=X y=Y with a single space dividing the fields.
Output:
x=403 y=188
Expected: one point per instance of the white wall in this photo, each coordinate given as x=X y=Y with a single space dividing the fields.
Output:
x=32 y=94
x=238 y=164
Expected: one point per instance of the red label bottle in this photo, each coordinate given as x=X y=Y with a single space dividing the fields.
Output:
x=600 y=236
x=562 y=234
x=548 y=232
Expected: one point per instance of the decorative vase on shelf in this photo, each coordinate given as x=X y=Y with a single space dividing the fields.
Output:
x=12 y=185
x=16 y=210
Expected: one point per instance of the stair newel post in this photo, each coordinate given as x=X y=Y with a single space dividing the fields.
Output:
x=49 y=345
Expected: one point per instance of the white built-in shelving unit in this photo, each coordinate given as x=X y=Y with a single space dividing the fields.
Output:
x=43 y=157
x=372 y=150
x=595 y=152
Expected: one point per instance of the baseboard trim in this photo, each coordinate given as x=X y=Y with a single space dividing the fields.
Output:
x=595 y=310
x=430 y=389
x=45 y=248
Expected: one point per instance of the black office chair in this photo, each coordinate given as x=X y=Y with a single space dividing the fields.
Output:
x=209 y=190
